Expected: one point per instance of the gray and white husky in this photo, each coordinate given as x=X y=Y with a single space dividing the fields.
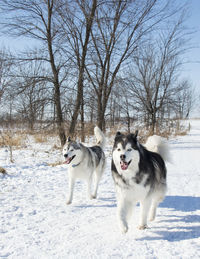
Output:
x=139 y=176
x=86 y=163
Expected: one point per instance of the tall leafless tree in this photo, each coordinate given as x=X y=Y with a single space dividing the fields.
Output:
x=153 y=77
x=35 y=19
x=30 y=92
x=5 y=67
x=77 y=19
x=119 y=28
x=184 y=100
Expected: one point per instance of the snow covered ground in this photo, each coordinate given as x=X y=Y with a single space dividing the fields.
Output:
x=35 y=221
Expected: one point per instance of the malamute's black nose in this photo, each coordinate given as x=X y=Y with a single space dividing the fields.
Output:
x=65 y=155
x=123 y=157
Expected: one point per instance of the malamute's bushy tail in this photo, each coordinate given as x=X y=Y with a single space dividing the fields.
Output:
x=101 y=140
x=159 y=145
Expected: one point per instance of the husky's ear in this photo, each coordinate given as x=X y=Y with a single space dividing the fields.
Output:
x=68 y=139
x=118 y=134
x=136 y=134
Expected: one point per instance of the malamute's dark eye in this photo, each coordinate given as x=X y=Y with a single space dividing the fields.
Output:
x=119 y=149
x=129 y=149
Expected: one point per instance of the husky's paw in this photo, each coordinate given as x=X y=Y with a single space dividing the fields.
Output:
x=68 y=202
x=143 y=227
x=92 y=196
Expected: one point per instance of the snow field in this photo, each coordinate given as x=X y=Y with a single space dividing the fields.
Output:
x=35 y=221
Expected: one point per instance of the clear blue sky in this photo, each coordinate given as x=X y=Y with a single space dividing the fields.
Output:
x=191 y=70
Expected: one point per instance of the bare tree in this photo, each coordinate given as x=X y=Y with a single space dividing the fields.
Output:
x=77 y=19
x=153 y=77
x=36 y=19
x=184 y=100
x=119 y=28
x=5 y=67
x=28 y=92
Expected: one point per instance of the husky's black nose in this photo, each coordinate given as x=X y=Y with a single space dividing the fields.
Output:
x=65 y=155
x=123 y=157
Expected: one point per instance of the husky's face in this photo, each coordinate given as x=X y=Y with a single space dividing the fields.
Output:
x=72 y=152
x=125 y=152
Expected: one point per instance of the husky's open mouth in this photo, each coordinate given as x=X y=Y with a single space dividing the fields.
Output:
x=69 y=159
x=124 y=165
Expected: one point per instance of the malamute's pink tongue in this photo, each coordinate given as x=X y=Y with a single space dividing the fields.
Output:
x=124 y=165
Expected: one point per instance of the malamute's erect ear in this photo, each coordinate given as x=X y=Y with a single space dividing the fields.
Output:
x=134 y=135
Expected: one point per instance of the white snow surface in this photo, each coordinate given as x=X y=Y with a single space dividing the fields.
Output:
x=35 y=221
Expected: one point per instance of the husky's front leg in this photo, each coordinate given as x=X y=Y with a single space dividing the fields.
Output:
x=89 y=187
x=71 y=190
x=144 y=209
x=97 y=177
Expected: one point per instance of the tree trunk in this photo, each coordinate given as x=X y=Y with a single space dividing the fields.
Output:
x=89 y=22
x=82 y=122
x=77 y=104
x=59 y=117
x=153 y=123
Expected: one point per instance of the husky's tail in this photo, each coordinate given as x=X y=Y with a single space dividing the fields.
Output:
x=101 y=140
x=159 y=145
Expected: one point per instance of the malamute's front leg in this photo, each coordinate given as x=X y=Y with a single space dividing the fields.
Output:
x=124 y=212
x=71 y=190
x=122 y=220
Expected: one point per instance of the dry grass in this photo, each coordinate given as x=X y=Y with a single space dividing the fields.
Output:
x=181 y=133
x=40 y=138
x=55 y=163
x=7 y=139
x=17 y=138
x=2 y=170
x=174 y=128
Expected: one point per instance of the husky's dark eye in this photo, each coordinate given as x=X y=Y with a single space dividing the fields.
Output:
x=119 y=149
x=129 y=149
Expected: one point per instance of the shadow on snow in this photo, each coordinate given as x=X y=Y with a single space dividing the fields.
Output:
x=182 y=227
x=181 y=203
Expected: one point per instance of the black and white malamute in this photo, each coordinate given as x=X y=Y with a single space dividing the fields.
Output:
x=139 y=176
x=86 y=163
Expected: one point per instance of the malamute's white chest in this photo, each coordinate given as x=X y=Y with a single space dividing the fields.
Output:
x=133 y=191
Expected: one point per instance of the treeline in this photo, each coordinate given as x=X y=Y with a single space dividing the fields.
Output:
x=94 y=61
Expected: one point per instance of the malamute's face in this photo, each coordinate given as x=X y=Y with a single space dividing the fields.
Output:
x=72 y=152
x=125 y=152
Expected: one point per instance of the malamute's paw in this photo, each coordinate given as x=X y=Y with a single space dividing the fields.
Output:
x=143 y=227
x=123 y=228
x=152 y=218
